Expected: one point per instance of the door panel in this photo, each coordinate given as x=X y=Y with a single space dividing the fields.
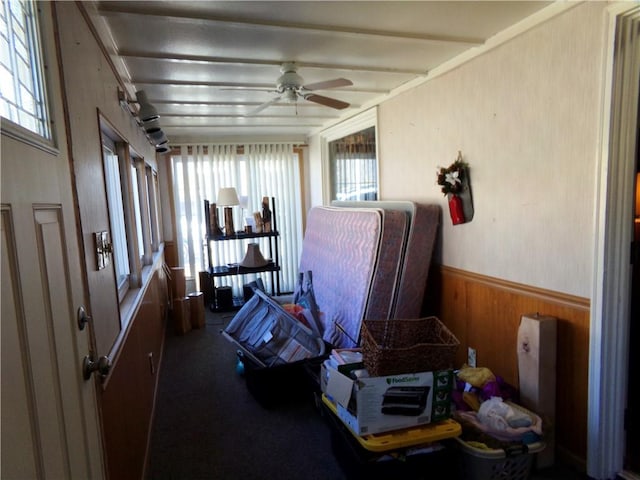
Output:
x=50 y=420
x=16 y=368
x=45 y=433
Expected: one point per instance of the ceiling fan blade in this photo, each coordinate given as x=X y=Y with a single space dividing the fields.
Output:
x=335 y=83
x=329 y=102
x=259 y=108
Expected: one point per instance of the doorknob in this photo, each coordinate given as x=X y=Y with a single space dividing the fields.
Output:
x=90 y=365
x=83 y=318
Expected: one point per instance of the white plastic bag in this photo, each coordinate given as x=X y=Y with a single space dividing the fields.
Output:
x=504 y=433
x=493 y=413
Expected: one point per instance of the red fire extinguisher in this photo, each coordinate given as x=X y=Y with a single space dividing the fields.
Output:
x=456 y=209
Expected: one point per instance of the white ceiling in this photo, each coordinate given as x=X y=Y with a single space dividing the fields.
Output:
x=206 y=66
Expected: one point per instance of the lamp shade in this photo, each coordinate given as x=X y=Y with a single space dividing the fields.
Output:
x=228 y=197
x=147 y=111
x=253 y=258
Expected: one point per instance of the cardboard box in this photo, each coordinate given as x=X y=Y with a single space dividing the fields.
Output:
x=379 y=404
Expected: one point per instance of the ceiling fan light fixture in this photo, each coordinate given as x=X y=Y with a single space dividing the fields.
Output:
x=290 y=86
x=290 y=96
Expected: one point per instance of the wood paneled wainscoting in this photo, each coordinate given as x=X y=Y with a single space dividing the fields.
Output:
x=128 y=393
x=484 y=313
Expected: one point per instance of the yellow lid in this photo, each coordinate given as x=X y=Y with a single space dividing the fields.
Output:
x=406 y=437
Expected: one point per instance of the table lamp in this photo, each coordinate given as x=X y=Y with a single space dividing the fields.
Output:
x=228 y=198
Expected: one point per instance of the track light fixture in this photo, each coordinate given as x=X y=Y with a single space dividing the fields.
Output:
x=147 y=118
x=158 y=138
x=147 y=112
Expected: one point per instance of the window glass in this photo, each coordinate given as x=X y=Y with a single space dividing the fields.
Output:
x=354 y=167
x=153 y=199
x=135 y=197
x=116 y=217
x=22 y=94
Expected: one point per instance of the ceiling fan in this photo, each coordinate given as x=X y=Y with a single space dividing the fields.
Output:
x=290 y=86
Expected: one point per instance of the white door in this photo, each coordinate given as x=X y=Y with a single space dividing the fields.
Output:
x=49 y=418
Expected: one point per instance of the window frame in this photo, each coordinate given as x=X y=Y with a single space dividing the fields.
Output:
x=122 y=286
x=154 y=204
x=126 y=155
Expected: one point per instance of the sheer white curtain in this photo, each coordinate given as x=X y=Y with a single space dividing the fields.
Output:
x=263 y=170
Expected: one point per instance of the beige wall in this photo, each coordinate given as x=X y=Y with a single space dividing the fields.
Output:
x=91 y=86
x=525 y=116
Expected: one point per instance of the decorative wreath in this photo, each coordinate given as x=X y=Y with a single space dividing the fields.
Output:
x=451 y=178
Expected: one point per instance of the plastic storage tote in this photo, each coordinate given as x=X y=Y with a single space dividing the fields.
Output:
x=511 y=463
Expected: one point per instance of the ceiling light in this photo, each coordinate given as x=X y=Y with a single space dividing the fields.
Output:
x=147 y=119
x=290 y=96
x=152 y=127
x=158 y=138
x=147 y=112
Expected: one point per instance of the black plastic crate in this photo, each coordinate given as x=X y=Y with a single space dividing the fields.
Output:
x=281 y=384
x=413 y=463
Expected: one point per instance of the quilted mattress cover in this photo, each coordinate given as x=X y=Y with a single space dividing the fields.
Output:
x=341 y=248
x=424 y=221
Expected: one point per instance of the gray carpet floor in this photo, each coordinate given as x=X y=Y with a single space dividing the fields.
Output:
x=208 y=426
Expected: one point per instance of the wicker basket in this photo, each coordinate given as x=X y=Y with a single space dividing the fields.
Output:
x=392 y=347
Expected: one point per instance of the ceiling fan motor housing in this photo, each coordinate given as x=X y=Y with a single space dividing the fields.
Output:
x=289 y=80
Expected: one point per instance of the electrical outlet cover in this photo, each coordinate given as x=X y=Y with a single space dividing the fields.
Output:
x=471 y=357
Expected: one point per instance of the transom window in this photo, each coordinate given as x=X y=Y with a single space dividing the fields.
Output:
x=22 y=88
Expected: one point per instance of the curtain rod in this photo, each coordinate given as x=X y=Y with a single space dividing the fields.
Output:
x=239 y=144
x=175 y=148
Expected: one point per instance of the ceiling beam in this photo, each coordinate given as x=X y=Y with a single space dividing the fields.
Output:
x=168 y=128
x=123 y=8
x=239 y=115
x=269 y=87
x=178 y=58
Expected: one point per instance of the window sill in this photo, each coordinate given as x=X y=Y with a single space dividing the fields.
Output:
x=21 y=134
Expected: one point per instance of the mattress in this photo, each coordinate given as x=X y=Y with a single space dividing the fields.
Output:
x=424 y=221
x=388 y=271
x=340 y=248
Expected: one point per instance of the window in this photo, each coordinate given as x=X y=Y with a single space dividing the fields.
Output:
x=154 y=214
x=349 y=159
x=273 y=170
x=126 y=210
x=137 y=211
x=354 y=168
x=22 y=88
x=116 y=215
